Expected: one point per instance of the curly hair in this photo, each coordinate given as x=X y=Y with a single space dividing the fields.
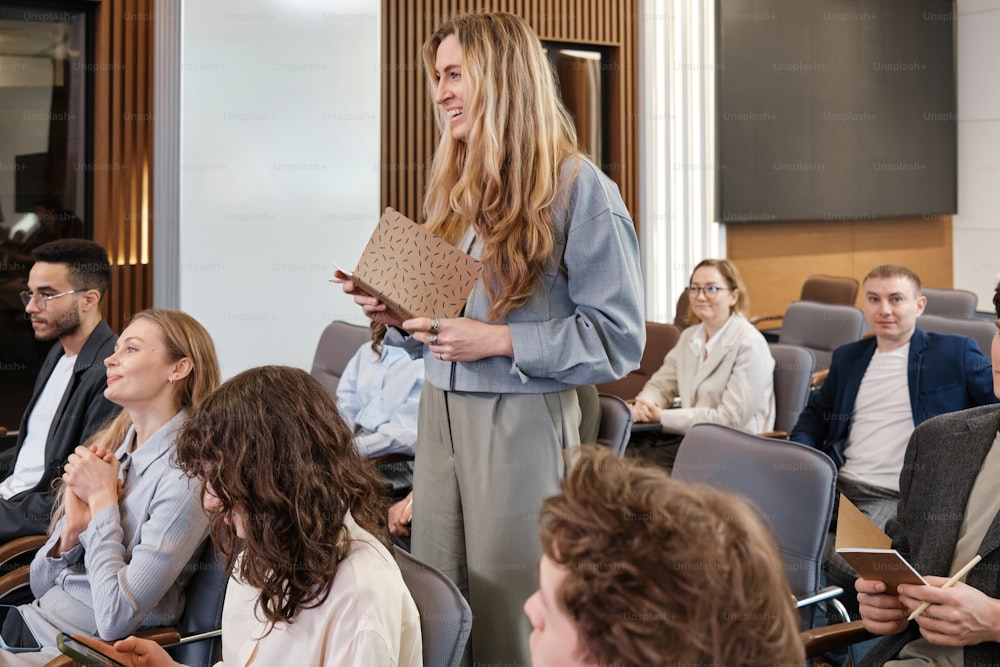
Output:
x=273 y=447
x=504 y=177
x=665 y=572
x=733 y=280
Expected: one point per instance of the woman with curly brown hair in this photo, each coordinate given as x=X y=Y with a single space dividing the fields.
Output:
x=558 y=304
x=640 y=569
x=300 y=518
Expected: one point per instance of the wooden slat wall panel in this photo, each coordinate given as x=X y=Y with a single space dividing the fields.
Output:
x=409 y=133
x=123 y=144
x=775 y=258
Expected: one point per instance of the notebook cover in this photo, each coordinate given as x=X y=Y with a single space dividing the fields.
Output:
x=413 y=272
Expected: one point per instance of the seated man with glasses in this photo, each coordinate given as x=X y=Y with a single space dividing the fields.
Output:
x=720 y=371
x=65 y=288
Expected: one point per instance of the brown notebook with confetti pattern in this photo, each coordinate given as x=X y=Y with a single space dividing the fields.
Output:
x=413 y=272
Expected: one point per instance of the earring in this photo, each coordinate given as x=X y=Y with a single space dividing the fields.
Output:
x=170 y=380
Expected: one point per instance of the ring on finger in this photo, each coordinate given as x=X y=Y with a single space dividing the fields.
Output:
x=433 y=339
x=440 y=356
x=436 y=326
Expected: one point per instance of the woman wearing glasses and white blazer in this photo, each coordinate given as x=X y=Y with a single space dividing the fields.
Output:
x=720 y=371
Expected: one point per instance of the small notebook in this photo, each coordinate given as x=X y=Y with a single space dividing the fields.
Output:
x=869 y=550
x=413 y=272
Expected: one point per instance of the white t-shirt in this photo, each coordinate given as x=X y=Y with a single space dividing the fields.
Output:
x=30 y=465
x=882 y=422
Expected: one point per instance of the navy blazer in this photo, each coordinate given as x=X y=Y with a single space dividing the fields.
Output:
x=81 y=412
x=946 y=373
x=942 y=460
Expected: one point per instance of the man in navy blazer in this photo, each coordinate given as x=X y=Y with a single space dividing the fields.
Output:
x=880 y=388
x=65 y=288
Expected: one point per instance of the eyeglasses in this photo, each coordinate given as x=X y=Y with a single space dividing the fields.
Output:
x=710 y=291
x=41 y=300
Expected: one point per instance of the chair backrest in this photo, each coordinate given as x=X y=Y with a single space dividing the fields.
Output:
x=830 y=289
x=660 y=339
x=204 y=596
x=337 y=344
x=955 y=303
x=445 y=616
x=793 y=369
x=980 y=330
x=616 y=423
x=821 y=327
x=682 y=310
x=791 y=485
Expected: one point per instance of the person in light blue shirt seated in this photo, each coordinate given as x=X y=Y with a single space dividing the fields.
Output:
x=378 y=396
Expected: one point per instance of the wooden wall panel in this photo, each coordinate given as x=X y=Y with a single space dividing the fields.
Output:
x=776 y=257
x=123 y=144
x=409 y=132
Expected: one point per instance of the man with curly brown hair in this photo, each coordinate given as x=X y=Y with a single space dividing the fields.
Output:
x=640 y=569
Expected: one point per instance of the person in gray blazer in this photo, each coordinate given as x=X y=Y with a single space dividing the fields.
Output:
x=65 y=287
x=720 y=371
x=949 y=512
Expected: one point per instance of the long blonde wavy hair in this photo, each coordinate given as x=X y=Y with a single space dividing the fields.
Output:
x=504 y=177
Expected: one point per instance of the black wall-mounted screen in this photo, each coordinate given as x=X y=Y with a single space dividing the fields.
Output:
x=835 y=109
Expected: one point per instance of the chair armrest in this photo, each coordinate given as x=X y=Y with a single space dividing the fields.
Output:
x=20 y=547
x=819 y=377
x=818 y=641
x=756 y=320
x=14 y=579
x=161 y=636
x=774 y=435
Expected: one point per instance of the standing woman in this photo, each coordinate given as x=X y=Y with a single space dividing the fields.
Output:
x=558 y=304
x=130 y=523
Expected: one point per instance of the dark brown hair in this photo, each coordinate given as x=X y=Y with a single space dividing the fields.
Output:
x=273 y=447
x=664 y=572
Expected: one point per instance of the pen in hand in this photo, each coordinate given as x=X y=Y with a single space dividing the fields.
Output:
x=948 y=584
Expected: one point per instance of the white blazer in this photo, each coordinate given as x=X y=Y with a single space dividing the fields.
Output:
x=734 y=386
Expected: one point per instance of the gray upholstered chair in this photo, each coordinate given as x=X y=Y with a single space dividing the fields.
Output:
x=837 y=290
x=793 y=371
x=616 y=423
x=445 y=616
x=821 y=327
x=791 y=486
x=957 y=304
x=660 y=339
x=980 y=330
x=337 y=344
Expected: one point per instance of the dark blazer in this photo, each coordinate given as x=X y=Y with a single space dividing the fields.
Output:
x=942 y=460
x=946 y=373
x=82 y=411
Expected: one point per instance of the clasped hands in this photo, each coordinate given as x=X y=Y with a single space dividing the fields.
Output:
x=91 y=479
x=958 y=616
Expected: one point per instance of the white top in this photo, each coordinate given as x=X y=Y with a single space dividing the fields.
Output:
x=882 y=422
x=702 y=346
x=369 y=618
x=30 y=465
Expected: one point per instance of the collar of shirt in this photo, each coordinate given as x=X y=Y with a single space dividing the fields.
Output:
x=699 y=343
x=158 y=444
